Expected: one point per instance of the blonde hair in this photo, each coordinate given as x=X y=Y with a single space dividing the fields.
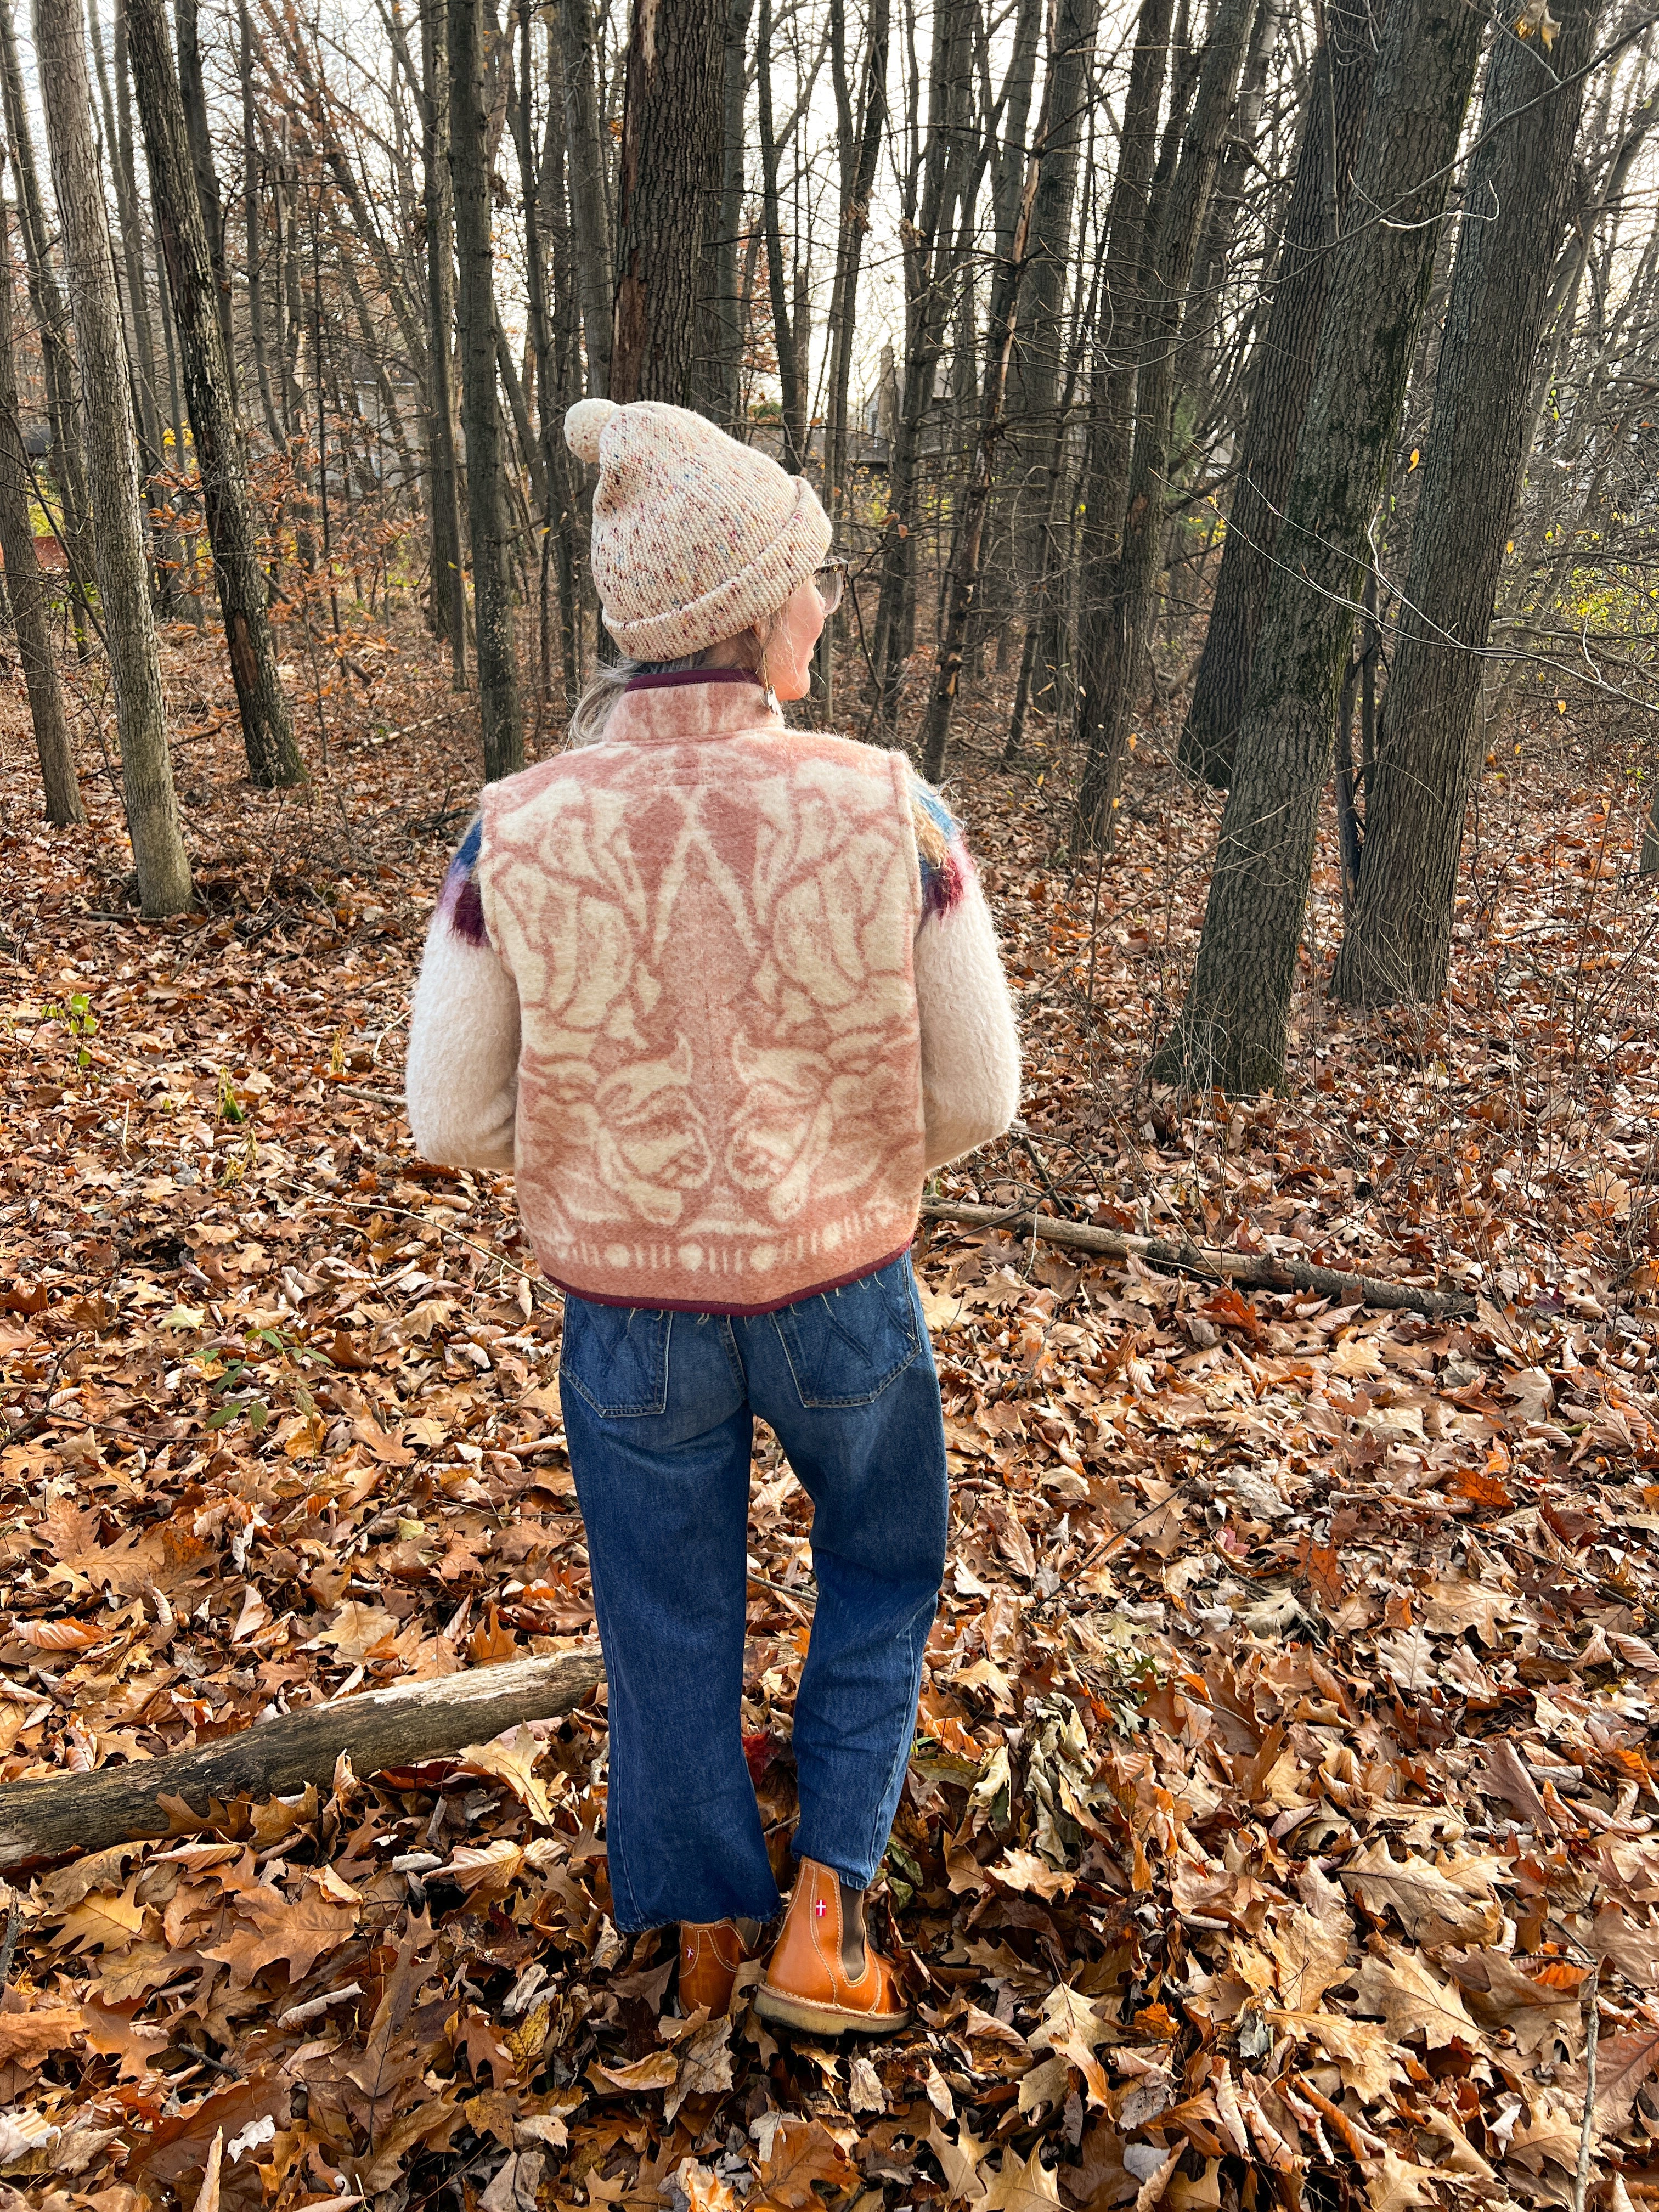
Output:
x=598 y=701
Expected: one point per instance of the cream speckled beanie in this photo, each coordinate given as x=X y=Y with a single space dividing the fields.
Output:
x=694 y=536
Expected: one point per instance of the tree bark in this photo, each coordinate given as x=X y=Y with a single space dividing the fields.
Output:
x=1398 y=944
x=1338 y=100
x=1117 y=625
x=398 y=1727
x=448 y=579
x=590 y=213
x=961 y=584
x=51 y=318
x=193 y=95
x=25 y=585
x=492 y=588
x=221 y=451
x=1261 y=1270
x=118 y=527
x=667 y=199
x=1233 y=1027
x=720 y=346
x=790 y=366
x=251 y=240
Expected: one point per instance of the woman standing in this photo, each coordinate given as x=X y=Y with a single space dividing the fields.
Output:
x=721 y=993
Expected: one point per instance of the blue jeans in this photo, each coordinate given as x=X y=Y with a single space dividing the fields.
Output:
x=659 y=1412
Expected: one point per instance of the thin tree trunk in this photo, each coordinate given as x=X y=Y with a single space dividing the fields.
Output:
x=578 y=43
x=129 y=622
x=964 y=578
x=1339 y=100
x=783 y=335
x=667 y=199
x=1118 y=627
x=52 y=321
x=221 y=451
x=1398 y=944
x=492 y=589
x=193 y=95
x=448 y=578
x=1233 y=1029
x=25 y=585
x=252 y=238
x=1108 y=453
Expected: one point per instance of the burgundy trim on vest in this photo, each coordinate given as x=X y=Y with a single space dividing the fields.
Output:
x=749 y=1313
x=666 y=679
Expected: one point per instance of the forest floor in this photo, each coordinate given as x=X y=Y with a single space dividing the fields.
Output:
x=1285 y=1765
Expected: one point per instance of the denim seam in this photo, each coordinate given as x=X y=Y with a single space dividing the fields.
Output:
x=830 y=1405
x=901 y=1756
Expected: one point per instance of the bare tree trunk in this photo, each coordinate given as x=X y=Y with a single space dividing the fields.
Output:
x=25 y=585
x=448 y=578
x=221 y=452
x=252 y=241
x=193 y=95
x=1339 y=99
x=51 y=318
x=578 y=43
x=1398 y=944
x=1117 y=341
x=1234 y=1027
x=492 y=588
x=667 y=200
x=790 y=364
x=117 y=528
x=962 y=584
x=1117 y=626
x=721 y=345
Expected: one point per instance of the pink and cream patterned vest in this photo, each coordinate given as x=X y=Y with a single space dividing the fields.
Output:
x=709 y=918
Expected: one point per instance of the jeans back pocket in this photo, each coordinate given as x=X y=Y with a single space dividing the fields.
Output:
x=616 y=1356
x=845 y=1346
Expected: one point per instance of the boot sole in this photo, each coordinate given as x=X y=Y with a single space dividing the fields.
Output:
x=825 y=2020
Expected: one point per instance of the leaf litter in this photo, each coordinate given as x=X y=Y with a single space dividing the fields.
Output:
x=1281 y=1801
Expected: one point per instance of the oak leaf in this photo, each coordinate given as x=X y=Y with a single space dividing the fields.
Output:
x=1434 y=1906
x=802 y=2152
x=1072 y=2029
x=1396 y=1986
x=1021 y=2186
x=27 y=2037
x=104 y=1921
x=959 y=2163
x=113 y=2030
x=297 y=1934
x=1393 y=2183
x=511 y=1762
x=705 y=2065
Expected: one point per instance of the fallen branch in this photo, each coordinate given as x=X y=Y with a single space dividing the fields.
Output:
x=1259 y=1270
x=398 y=1726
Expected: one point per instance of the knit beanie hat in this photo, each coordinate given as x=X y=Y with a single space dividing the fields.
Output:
x=694 y=537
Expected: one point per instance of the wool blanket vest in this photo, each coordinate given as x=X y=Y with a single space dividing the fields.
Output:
x=710 y=920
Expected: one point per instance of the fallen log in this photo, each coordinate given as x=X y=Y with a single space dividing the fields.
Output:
x=1262 y=1271
x=397 y=1727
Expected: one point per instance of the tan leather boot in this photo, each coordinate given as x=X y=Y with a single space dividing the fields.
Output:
x=711 y=1951
x=824 y=1977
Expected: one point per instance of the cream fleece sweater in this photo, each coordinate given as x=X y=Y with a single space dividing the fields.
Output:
x=721 y=993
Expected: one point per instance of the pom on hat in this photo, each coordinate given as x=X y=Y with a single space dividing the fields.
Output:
x=584 y=424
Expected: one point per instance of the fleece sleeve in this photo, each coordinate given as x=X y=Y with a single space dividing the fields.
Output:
x=462 y=1084
x=969 y=1043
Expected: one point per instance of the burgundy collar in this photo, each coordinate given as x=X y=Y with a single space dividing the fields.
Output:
x=668 y=679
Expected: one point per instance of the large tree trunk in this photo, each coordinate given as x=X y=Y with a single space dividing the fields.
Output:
x=492 y=587
x=1233 y=1027
x=590 y=211
x=221 y=453
x=1117 y=626
x=448 y=580
x=668 y=195
x=1398 y=943
x=118 y=527
x=25 y=585
x=1338 y=98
